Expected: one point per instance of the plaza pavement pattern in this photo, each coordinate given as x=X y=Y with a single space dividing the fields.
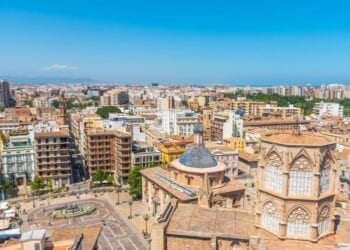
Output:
x=116 y=234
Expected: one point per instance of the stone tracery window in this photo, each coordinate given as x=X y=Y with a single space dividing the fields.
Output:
x=325 y=175
x=269 y=217
x=298 y=223
x=323 y=219
x=273 y=174
x=300 y=177
x=234 y=246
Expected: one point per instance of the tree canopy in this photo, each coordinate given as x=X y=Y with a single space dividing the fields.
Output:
x=37 y=184
x=104 y=111
x=55 y=104
x=8 y=187
x=110 y=179
x=135 y=181
x=297 y=101
x=100 y=175
x=28 y=103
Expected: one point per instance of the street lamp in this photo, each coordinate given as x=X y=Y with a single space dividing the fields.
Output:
x=149 y=243
x=20 y=223
x=118 y=192
x=33 y=198
x=146 y=218
x=18 y=207
x=65 y=213
x=130 y=204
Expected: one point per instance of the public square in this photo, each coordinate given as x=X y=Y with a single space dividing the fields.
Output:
x=118 y=232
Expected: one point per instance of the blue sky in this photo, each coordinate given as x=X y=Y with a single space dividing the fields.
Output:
x=246 y=42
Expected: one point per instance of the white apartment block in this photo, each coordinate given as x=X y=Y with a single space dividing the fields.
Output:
x=17 y=157
x=177 y=122
x=144 y=155
x=328 y=109
x=226 y=124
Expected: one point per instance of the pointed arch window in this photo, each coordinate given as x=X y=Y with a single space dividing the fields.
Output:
x=323 y=221
x=269 y=217
x=325 y=175
x=273 y=173
x=298 y=223
x=300 y=177
x=234 y=246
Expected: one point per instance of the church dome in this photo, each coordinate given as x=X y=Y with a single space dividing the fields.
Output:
x=198 y=157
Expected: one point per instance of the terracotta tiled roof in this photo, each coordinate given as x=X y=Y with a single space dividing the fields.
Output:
x=228 y=188
x=193 y=220
x=297 y=139
x=247 y=156
x=90 y=235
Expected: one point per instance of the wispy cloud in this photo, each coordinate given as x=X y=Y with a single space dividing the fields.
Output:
x=58 y=67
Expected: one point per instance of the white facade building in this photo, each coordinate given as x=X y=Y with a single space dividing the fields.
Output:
x=144 y=155
x=177 y=122
x=328 y=109
x=233 y=127
x=17 y=158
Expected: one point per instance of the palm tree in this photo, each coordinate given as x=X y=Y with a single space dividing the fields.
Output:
x=49 y=186
x=37 y=184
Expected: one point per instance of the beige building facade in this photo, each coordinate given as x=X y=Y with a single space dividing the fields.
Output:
x=296 y=186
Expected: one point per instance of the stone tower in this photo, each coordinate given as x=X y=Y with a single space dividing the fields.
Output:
x=205 y=193
x=63 y=111
x=296 y=186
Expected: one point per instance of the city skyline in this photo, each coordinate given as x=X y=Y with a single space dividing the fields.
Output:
x=232 y=43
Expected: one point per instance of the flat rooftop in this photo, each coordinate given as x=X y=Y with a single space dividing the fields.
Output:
x=60 y=133
x=303 y=138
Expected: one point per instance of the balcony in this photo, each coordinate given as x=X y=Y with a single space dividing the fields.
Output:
x=53 y=162
x=53 y=169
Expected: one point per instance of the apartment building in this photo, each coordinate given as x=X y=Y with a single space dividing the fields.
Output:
x=6 y=125
x=114 y=97
x=282 y=112
x=224 y=125
x=167 y=102
x=276 y=124
x=144 y=155
x=249 y=108
x=79 y=123
x=177 y=122
x=123 y=154
x=171 y=151
x=52 y=156
x=328 y=109
x=99 y=151
x=17 y=157
x=226 y=155
x=6 y=99
x=109 y=150
x=236 y=143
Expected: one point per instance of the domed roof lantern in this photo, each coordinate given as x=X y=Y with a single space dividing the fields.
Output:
x=198 y=134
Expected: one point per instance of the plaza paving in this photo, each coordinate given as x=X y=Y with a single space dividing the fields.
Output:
x=117 y=233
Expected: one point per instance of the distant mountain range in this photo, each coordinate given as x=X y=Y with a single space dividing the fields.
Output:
x=47 y=79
